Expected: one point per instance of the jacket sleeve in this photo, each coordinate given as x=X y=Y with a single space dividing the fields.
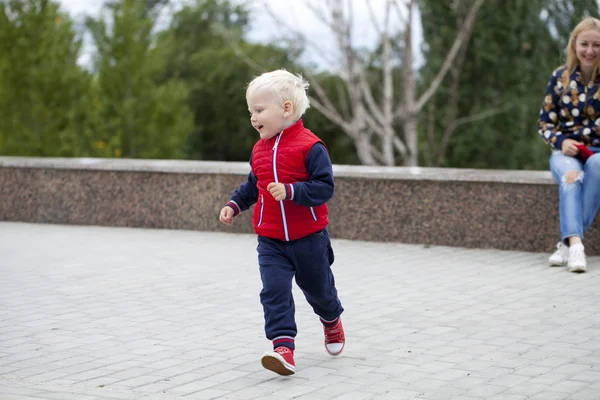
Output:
x=320 y=186
x=592 y=128
x=548 y=121
x=246 y=195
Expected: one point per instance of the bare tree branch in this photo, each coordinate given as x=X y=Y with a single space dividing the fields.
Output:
x=388 y=84
x=371 y=103
x=337 y=15
x=333 y=116
x=388 y=90
x=350 y=19
x=290 y=30
x=400 y=146
x=403 y=20
x=375 y=124
x=377 y=155
x=238 y=51
x=441 y=152
x=319 y=14
x=409 y=81
x=343 y=99
x=452 y=109
x=365 y=150
x=431 y=127
x=373 y=19
x=320 y=92
x=458 y=42
x=342 y=31
x=484 y=114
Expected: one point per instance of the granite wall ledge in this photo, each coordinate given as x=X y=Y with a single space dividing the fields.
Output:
x=501 y=209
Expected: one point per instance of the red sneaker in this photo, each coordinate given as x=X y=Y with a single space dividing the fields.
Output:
x=334 y=338
x=280 y=361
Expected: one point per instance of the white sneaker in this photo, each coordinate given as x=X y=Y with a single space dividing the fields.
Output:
x=561 y=256
x=577 y=261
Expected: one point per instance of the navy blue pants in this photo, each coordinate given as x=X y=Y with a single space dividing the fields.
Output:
x=308 y=259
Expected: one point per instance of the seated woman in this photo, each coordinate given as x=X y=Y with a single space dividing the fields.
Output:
x=570 y=123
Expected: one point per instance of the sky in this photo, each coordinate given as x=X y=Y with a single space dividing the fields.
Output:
x=264 y=29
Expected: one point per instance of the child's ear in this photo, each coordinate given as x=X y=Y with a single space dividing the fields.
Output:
x=288 y=108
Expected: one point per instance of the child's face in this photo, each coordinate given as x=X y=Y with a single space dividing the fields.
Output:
x=267 y=115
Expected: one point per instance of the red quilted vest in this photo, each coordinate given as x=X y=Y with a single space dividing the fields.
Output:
x=282 y=159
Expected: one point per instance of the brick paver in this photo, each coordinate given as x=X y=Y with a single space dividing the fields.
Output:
x=116 y=313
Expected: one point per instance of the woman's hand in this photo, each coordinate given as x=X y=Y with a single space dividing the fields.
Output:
x=568 y=147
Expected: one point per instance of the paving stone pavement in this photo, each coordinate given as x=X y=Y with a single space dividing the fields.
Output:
x=116 y=313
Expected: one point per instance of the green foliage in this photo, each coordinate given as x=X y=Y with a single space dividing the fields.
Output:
x=205 y=47
x=507 y=65
x=218 y=100
x=195 y=51
x=509 y=60
x=44 y=94
x=138 y=116
x=180 y=93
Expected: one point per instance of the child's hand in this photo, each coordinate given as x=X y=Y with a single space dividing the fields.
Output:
x=277 y=190
x=226 y=215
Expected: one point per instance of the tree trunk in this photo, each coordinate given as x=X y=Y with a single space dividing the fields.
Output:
x=410 y=133
x=409 y=123
x=372 y=118
x=363 y=150
x=455 y=73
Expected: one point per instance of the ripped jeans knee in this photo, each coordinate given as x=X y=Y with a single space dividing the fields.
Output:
x=571 y=177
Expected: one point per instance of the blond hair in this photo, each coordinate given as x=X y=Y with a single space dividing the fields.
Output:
x=586 y=24
x=285 y=85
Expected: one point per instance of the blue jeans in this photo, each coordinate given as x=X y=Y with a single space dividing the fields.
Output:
x=579 y=200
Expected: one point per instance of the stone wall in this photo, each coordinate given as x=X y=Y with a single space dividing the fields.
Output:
x=512 y=210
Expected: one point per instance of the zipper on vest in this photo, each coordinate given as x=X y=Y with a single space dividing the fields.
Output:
x=312 y=211
x=285 y=227
x=262 y=207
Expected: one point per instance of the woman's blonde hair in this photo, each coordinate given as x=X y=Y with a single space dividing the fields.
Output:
x=285 y=85
x=586 y=24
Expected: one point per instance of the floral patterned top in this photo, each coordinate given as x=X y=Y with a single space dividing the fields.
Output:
x=571 y=110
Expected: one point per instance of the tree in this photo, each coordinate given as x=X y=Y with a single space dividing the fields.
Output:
x=43 y=92
x=196 y=51
x=484 y=114
x=372 y=122
x=340 y=146
x=140 y=116
x=441 y=21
